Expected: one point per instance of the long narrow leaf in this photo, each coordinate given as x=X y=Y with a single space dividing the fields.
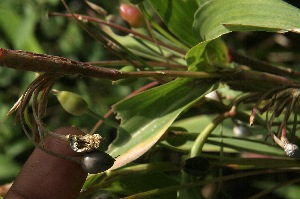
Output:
x=218 y=17
x=145 y=117
x=178 y=16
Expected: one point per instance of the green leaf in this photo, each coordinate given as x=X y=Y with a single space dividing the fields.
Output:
x=145 y=117
x=8 y=168
x=217 y=17
x=207 y=54
x=178 y=16
x=244 y=145
x=231 y=143
x=143 y=48
x=19 y=29
x=138 y=183
x=18 y=147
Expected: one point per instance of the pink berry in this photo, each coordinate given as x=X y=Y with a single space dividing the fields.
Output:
x=132 y=15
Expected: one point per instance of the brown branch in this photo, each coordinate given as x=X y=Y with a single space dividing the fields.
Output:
x=22 y=60
x=28 y=61
x=243 y=79
x=250 y=80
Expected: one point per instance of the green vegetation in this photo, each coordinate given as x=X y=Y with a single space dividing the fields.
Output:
x=203 y=111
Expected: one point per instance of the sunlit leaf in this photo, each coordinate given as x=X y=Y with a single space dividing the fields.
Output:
x=178 y=16
x=253 y=144
x=145 y=117
x=218 y=17
x=206 y=55
x=244 y=145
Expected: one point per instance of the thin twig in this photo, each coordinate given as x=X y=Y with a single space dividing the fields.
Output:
x=263 y=66
x=112 y=25
x=124 y=62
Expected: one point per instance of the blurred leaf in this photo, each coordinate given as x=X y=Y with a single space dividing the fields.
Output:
x=217 y=17
x=292 y=191
x=18 y=147
x=19 y=29
x=145 y=117
x=8 y=168
x=7 y=132
x=178 y=17
x=7 y=75
x=72 y=39
x=25 y=30
x=47 y=24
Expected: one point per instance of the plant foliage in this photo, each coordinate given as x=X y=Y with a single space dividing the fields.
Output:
x=193 y=106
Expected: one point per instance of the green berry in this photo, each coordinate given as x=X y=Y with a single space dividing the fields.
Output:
x=72 y=102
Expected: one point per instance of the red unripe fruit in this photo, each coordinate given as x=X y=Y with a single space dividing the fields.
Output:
x=132 y=15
